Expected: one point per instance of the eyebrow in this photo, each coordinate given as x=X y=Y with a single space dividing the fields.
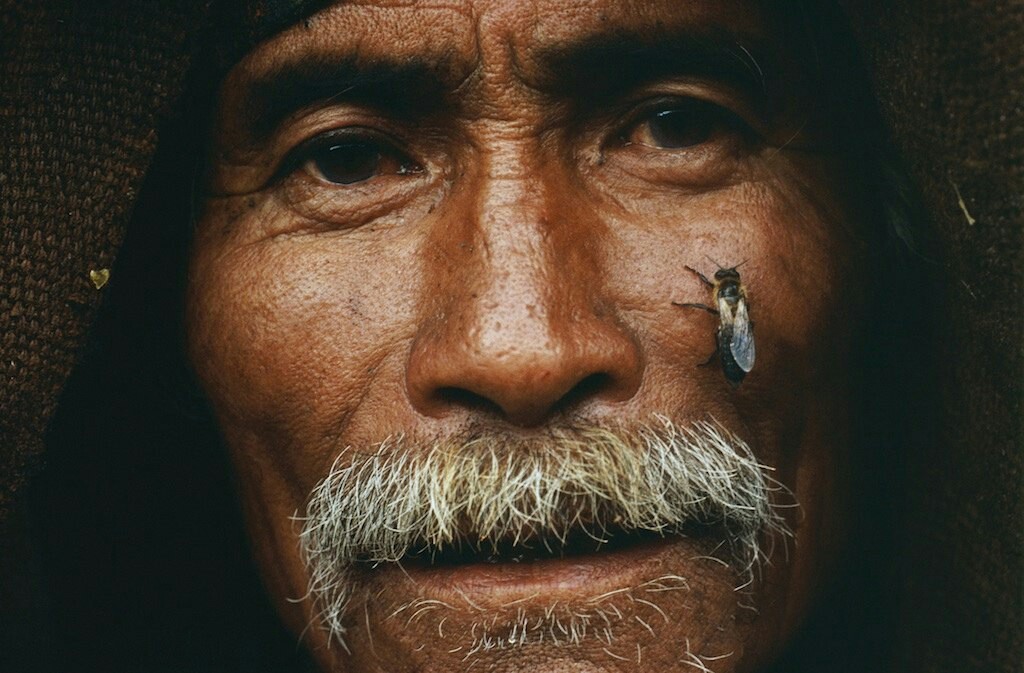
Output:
x=389 y=85
x=607 y=66
x=587 y=72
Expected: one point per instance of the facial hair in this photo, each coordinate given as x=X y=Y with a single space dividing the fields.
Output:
x=490 y=492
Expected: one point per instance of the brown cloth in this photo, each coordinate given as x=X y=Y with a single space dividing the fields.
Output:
x=85 y=88
x=950 y=80
x=82 y=90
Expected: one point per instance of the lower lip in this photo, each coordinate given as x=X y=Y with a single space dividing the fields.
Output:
x=491 y=585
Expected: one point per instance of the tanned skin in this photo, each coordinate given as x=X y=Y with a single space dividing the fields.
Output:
x=428 y=216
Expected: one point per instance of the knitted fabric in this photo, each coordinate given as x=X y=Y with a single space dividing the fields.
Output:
x=83 y=88
x=950 y=80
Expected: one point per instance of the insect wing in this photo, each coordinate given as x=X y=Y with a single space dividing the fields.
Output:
x=725 y=312
x=742 y=343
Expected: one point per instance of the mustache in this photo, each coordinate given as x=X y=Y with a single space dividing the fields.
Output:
x=491 y=491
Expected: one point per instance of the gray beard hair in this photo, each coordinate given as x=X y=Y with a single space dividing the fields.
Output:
x=487 y=490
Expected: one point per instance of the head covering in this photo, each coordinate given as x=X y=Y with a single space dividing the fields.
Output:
x=950 y=77
x=88 y=91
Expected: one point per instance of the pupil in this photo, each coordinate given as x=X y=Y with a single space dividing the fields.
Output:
x=348 y=163
x=682 y=127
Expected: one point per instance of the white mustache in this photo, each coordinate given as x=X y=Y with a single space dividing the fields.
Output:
x=487 y=491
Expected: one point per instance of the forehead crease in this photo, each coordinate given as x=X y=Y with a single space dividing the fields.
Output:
x=539 y=37
x=439 y=34
x=458 y=36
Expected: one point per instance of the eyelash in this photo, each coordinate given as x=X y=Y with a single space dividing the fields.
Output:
x=719 y=116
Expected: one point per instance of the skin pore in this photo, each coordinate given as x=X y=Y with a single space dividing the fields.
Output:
x=430 y=223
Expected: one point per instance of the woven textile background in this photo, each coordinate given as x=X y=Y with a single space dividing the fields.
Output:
x=83 y=88
x=950 y=79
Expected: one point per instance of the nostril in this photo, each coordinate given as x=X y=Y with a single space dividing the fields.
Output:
x=466 y=399
x=589 y=387
x=529 y=408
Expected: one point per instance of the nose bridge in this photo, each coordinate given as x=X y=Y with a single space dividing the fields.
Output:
x=516 y=276
x=517 y=333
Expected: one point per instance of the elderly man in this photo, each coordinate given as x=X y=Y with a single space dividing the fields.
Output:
x=444 y=298
x=543 y=336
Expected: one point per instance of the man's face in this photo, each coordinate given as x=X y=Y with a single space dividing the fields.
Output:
x=442 y=261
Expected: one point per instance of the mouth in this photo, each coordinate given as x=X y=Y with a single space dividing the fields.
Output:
x=631 y=587
x=494 y=575
x=491 y=523
x=579 y=545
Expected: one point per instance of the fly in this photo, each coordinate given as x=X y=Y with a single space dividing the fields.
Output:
x=735 y=337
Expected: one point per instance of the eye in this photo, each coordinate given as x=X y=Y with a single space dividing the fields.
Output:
x=681 y=123
x=349 y=157
x=347 y=163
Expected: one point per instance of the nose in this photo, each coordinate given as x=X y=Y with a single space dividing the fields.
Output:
x=523 y=331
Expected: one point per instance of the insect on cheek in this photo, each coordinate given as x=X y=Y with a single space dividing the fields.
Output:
x=734 y=338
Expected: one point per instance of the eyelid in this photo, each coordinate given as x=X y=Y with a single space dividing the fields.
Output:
x=721 y=117
x=731 y=104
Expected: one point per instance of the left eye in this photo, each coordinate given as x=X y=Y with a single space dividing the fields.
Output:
x=347 y=163
x=680 y=124
x=348 y=157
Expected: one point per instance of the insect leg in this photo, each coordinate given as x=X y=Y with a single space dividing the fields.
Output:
x=700 y=275
x=704 y=307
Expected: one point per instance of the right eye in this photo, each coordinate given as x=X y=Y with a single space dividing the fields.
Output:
x=681 y=124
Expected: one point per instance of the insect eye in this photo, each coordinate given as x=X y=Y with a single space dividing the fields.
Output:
x=680 y=124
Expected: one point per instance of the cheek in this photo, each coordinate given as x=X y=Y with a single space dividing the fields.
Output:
x=798 y=266
x=795 y=263
x=290 y=332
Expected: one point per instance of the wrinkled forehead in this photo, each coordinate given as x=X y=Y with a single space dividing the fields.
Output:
x=465 y=32
x=459 y=39
x=485 y=54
